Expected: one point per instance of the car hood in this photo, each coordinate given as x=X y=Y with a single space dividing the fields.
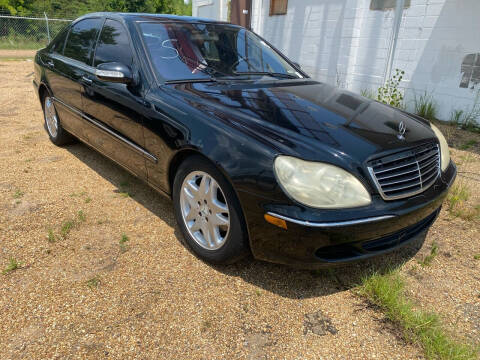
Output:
x=307 y=118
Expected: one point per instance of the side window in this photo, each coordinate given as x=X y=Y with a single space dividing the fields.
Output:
x=57 y=43
x=80 y=40
x=113 y=45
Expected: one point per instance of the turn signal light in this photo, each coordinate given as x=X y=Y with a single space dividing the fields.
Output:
x=275 y=221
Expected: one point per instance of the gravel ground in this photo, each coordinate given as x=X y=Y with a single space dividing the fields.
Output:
x=86 y=295
x=12 y=54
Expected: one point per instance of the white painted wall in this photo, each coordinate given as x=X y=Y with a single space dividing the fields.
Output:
x=210 y=9
x=343 y=42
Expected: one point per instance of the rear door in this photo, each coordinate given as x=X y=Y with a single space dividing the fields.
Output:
x=117 y=108
x=68 y=64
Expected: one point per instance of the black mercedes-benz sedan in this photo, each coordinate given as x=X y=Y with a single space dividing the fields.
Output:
x=256 y=156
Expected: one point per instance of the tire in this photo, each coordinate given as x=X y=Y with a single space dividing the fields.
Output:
x=58 y=135
x=203 y=214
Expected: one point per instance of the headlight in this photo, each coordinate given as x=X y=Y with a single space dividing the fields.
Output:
x=320 y=185
x=444 y=151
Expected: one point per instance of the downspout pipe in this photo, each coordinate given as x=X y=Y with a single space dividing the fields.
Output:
x=399 y=5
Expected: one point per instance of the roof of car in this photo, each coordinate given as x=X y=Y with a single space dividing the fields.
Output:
x=155 y=17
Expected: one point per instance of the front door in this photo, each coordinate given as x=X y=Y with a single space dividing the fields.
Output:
x=66 y=66
x=240 y=12
x=115 y=110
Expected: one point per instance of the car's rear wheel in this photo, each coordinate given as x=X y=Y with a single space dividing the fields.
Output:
x=52 y=122
x=208 y=212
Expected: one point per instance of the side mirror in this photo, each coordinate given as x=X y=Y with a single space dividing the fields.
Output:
x=297 y=65
x=114 y=72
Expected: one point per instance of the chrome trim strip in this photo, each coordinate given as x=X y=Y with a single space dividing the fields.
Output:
x=395 y=167
x=332 y=224
x=396 y=175
x=73 y=62
x=401 y=181
x=397 y=188
x=135 y=147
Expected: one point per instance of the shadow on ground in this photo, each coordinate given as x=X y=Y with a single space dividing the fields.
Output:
x=283 y=280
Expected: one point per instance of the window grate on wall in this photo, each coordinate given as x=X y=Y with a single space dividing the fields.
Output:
x=470 y=71
x=278 y=7
x=386 y=4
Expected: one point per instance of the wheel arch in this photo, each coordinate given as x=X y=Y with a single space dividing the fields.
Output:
x=42 y=90
x=182 y=155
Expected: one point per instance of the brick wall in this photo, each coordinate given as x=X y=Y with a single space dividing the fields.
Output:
x=346 y=43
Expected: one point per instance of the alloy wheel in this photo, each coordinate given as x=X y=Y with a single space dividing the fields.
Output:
x=204 y=210
x=51 y=117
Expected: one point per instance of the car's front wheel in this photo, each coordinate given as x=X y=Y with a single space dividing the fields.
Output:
x=208 y=212
x=52 y=123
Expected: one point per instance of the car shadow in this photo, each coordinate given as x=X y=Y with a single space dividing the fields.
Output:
x=126 y=184
x=295 y=283
x=282 y=280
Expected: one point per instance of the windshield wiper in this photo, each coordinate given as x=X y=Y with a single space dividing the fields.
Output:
x=272 y=74
x=187 y=81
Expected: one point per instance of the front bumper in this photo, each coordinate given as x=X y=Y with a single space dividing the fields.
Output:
x=340 y=236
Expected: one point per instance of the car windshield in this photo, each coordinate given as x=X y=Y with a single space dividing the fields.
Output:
x=198 y=51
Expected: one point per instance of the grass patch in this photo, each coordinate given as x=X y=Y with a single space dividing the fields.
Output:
x=468 y=144
x=427 y=260
x=368 y=93
x=476 y=256
x=93 y=282
x=51 y=236
x=87 y=200
x=81 y=216
x=467 y=118
x=13 y=265
x=458 y=205
x=425 y=106
x=123 y=243
x=67 y=226
x=18 y=194
x=418 y=326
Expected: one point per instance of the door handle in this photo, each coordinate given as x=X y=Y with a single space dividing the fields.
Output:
x=86 y=80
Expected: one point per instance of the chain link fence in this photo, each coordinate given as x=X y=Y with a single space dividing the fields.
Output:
x=28 y=32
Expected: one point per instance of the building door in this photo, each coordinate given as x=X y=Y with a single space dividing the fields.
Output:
x=240 y=12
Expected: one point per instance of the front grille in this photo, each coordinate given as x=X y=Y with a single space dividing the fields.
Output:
x=406 y=173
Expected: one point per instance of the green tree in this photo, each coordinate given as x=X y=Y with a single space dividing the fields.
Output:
x=16 y=7
x=72 y=9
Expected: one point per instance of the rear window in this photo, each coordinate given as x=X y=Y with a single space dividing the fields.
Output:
x=80 y=40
